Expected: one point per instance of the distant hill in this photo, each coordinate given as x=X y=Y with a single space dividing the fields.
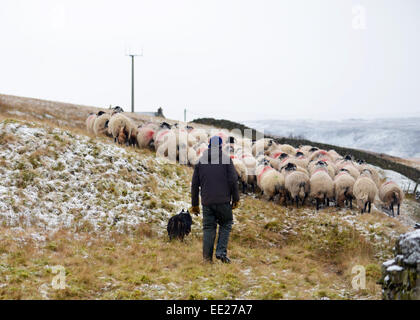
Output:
x=396 y=137
x=371 y=157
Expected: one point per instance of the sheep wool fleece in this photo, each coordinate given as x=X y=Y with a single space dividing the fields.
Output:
x=212 y=216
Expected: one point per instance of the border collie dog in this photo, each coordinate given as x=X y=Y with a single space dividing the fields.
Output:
x=179 y=225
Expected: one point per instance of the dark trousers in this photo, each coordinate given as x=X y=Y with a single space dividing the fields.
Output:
x=213 y=215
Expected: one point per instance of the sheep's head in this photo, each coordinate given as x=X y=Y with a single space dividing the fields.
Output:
x=100 y=113
x=118 y=109
x=361 y=161
x=122 y=136
x=348 y=158
x=270 y=142
x=299 y=154
x=313 y=149
x=165 y=125
x=283 y=156
x=344 y=170
x=290 y=167
x=321 y=163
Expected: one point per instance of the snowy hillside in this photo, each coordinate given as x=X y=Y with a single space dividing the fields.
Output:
x=397 y=137
x=71 y=181
x=100 y=211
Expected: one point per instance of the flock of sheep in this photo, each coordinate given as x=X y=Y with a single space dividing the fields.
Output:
x=278 y=170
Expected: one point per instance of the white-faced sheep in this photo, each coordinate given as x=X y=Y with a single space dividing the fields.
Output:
x=391 y=194
x=343 y=188
x=365 y=190
x=322 y=186
x=270 y=181
x=296 y=183
x=100 y=126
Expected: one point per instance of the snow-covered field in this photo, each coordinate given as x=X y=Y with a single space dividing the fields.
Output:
x=397 y=137
x=51 y=179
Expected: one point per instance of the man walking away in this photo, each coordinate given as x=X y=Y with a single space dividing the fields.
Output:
x=217 y=178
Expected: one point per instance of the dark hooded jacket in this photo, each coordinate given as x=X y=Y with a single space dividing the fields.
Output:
x=217 y=178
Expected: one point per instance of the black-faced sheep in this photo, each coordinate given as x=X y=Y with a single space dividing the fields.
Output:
x=296 y=184
x=329 y=166
x=391 y=194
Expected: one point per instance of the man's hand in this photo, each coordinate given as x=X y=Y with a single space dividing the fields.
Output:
x=195 y=210
x=235 y=205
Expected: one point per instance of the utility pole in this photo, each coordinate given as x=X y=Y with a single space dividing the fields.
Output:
x=185 y=115
x=132 y=76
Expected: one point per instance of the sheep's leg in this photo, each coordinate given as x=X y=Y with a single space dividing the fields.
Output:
x=398 y=209
x=243 y=187
x=297 y=202
x=364 y=208
x=391 y=207
x=369 y=206
x=304 y=199
x=351 y=203
x=346 y=202
x=317 y=204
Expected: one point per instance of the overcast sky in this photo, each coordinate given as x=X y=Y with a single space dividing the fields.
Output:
x=230 y=59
